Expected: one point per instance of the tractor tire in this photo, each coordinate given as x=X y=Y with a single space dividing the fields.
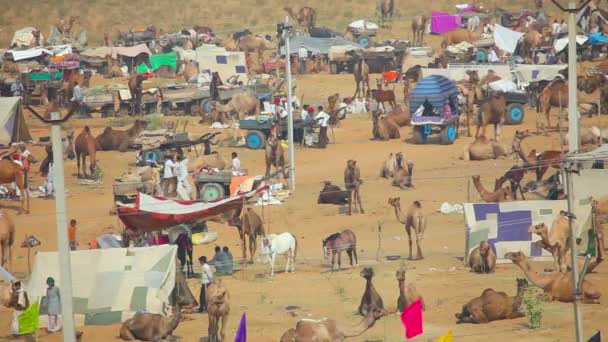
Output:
x=255 y=140
x=212 y=192
x=515 y=114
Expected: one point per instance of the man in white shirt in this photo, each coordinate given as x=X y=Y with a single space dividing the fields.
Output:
x=169 y=179
x=184 y=190
x=555 y=28
x=322 y=120
x=236 y=163
x=492 y=56
x=563 y=27
x=206 y=279
x=77 y=96
x=303 y=56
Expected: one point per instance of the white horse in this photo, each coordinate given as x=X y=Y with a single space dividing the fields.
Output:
x=284 y=243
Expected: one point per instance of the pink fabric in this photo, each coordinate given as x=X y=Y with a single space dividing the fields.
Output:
x=469 y=8
x=411 y=318
x=442 y=22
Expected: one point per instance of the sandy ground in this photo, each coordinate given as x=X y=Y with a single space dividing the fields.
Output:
x=446 y=285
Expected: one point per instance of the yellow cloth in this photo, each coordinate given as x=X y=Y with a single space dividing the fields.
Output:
x=28 y=320
x=449 y=337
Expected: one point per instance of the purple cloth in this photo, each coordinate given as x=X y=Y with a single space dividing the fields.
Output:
x=467 y=9
x=241 y=333
x=442 y=22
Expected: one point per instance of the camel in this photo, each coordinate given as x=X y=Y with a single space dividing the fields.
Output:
x=329 y=330
x=491 y=111
x=418 y=28
x=253 y=227
x=389 y=166
x=404 y=173
x=386 y=12
x=7 y=238
x=482 y=259
x=113 y=67
x=360 y=72
x=352 y=182
x=557 y=286
x=275 y=155
x=580 y=260
x=458 y=36
x=493 y=306
x=241 y=105
x=530 y=43
x=107 y=40
x=588 y=136
x=149 y=327
x=483 y=148
x=384 y=128
x=84 y=146
x=409 y=295
x=514 y=175
x=556 y=241
x=211 y=161
x=502 y=195
x=190 y=70
x=413 y=218
x=218 y=307
x=114 y=140
x=555 y=94
x=540 y=161
x=371 y=300
x=135 y=88
x=65 y=27
x=400 y=116
x=251 y=43
x=306 y=16
x=67 y=88
x=12 y=172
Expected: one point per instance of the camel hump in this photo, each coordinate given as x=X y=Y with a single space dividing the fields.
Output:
x=417 y=204
x=107 y=130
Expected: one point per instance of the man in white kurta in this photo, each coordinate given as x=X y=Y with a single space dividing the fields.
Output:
x=184 y=190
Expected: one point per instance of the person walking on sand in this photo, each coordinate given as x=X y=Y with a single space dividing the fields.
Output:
x=206 y=279
x=53 y=304
x=322 y=119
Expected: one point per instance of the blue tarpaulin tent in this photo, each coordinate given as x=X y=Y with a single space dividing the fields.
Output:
x=436 y=89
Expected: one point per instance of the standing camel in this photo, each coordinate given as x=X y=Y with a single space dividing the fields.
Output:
x=386 y=12
x=418 y=27
x=7 y=238
x=253 y=227
x=251 y=43
x=306 y=17
x=555 y=94
x=12 y=172
x=85 y=145
x=275 y=156
x=413 y=218
x=491 y=111
x=352 y=182
x=361 y=72
x=135 y=88
x=218 y=307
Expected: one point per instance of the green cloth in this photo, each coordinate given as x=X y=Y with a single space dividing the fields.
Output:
x=156 y=61
x=45 y=76
x=28 y=319
x=591 y=249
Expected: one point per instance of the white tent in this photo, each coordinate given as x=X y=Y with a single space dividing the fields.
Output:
x=225 y=63
x=13 y=127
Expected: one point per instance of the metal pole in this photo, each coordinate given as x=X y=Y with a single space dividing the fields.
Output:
x=292 y=159
x=578 y=319
x=65 y=271
x=573 y=119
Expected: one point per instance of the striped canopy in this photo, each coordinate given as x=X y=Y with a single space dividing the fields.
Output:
x=436 y=89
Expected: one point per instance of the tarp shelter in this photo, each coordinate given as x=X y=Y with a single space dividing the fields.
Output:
x=436 y=89
x=560 y=44
x=13 y=127
x=506 y=39
x=127 y=51
x=458 y=72
x=225 y=63
x=156 y=61
x=505 y=225
x=538 y=72
x=110 y=285
x=442 y=22
x=24 y=37
x=317 y=45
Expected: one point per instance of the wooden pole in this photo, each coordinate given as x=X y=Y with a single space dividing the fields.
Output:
x=379 y=241
x=599 y=118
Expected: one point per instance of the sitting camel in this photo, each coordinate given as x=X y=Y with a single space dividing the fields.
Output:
x=400 y=116
x=218 y=307
x=384 y=128
x=482 y=259
x=557 y=241
x=413 y=218
x=371 y=300
x=502 y=195
x=329 y=330
x=389 y=167
x=7 y=238
x=557 y=286
x=493 y=306
x=404 y=173
x=113 y=140
x=483 y=148
x=149 y=327
x=409 y=295
x=332 y=194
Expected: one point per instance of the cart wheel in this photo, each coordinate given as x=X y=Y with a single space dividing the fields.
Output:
x=515 y=114
x=212 y=192
x=364 y=41
x=418 y=135
x=165 y=109
x=108 y=111
x=255 y=140
x=196 y=110
x=448 y=135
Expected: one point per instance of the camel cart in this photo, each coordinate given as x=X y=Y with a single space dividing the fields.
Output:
x=185 y=98
x=115 y=100
x=214 y=185
x=363 y=31
x=259 y=130
x=428 y=102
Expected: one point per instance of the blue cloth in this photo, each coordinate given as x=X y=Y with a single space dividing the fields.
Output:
x=436 y=90
x=222 y=262
x=597 y=37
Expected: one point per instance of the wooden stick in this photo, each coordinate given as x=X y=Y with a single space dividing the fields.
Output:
x=379 y=241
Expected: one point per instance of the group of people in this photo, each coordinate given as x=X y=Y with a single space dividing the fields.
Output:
x=223 y=262
x=321 y=118
x=175 y=176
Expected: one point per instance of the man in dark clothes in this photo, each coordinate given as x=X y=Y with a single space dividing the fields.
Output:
x=322 y=120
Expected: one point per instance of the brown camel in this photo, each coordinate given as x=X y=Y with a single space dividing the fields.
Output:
x=482 y=259
x=360 y=72
x=306 y=17
x=218 y=307
x=418 y=28
x=251 y=43
x=409 y=295
x=384 y=128
x=555 y=94
x=371 y=300
x=114 y=140
x=113 y=67
x=469 y=106
x=557 y=240
x=539 y=161
x=389 y=166
x=275 y=155
x=491 y=111
x=241 y=105
x=334 y=244
x=84 y=146
x=530 y=43
x=458 y=36
x=403 y=173
x=413 y=218
x=502 y=195
x=149 y=327
x=135 y=88
x=557 y=286
x=493 y=306
x=580 y=260
x=190 y=70
x=211 y=161
x=252 y=227
x=12 y=172
x=7 y=238
x=483 y=148
x=352 y=182
x=65 y=27
x=386 y=12
x=329 y=330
